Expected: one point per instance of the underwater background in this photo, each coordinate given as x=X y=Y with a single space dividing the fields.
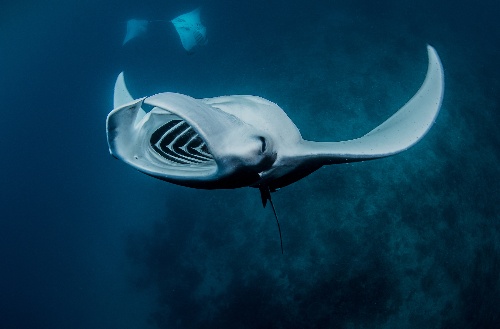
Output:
x=410 y=241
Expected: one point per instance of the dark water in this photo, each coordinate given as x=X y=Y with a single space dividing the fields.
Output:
x=411 y=241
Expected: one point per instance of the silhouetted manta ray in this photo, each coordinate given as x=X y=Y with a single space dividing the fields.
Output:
x=191 y=31
x=236 y=141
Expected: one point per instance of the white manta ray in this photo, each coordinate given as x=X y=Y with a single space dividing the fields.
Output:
x=237 y=141
x=135 y=28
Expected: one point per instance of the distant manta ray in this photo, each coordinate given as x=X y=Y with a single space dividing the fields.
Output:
x=236 y=141
x=191 y=31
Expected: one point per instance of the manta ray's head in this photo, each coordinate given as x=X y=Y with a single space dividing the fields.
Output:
x=187 y=141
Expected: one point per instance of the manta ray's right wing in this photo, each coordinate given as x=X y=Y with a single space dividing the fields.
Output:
x=398 y=133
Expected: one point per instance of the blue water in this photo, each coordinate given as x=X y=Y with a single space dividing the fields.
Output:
x=411 y=241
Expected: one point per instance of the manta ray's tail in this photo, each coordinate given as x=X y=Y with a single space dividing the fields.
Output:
x=265 y=194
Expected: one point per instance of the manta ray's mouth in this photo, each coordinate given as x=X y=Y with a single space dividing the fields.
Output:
x=178 y=142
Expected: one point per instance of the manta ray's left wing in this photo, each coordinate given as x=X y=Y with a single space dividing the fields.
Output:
x=398 y=133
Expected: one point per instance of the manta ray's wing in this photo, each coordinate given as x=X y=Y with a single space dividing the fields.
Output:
x=135 y=28
x=402 y=130
x=190 y=29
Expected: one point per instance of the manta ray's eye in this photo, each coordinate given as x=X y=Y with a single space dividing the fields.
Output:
x=264 y=144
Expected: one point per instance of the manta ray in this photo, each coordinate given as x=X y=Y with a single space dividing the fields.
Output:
x=191 y=31
x=237 y=141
